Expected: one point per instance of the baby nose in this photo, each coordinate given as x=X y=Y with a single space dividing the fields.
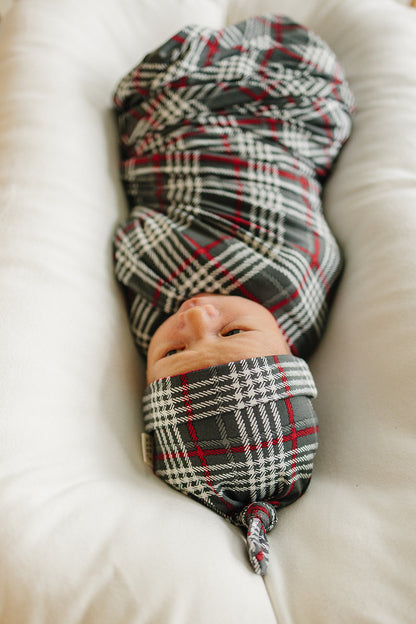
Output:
x=200 y=319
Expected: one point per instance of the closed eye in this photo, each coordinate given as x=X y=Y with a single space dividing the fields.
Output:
x=233 y=332
x=173 y=351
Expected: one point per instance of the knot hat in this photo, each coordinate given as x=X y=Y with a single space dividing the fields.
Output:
x=239 y=437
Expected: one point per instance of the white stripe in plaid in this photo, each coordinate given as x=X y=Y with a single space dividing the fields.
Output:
x=252 y=381
x=226 y=137
x=235 y=434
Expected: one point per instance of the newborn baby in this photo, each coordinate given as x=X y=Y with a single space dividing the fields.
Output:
x=226 y=260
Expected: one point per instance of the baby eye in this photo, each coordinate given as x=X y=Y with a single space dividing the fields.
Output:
x=233 y=332
x=173 y=351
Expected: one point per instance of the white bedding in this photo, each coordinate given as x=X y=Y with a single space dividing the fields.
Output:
x=87 y=534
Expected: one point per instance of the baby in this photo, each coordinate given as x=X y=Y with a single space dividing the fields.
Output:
x=226 y=260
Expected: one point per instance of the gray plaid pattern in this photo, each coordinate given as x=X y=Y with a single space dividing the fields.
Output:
x=226 y=137
x=259 y=520
x=235 y=434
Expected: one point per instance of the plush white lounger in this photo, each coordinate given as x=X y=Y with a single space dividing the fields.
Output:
x=87 y=534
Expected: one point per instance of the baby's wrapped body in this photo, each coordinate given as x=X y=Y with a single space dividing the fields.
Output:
x=226 y=139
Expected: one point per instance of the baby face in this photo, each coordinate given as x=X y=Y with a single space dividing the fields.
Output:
x=208 y=330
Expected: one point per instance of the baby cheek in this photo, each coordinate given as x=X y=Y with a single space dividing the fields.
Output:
x=161 y=338
x=282 y=344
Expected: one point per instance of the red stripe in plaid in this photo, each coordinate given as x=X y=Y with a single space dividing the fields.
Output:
x=191 y=429
x=188 y=262
x=222 y=270
x=198 y=450
x=308 y=431
x=212 y=44
x=294 y=433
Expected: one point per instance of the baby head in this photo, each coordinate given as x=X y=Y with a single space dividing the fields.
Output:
x=229 y=409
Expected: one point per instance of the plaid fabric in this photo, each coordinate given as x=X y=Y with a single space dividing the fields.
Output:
x=259 y=520
x=226 y=137
x=239 y=438
x=235 y=434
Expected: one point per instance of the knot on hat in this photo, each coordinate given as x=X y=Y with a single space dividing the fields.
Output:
x=259 y=518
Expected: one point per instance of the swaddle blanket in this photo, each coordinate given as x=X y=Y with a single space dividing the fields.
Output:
x=226 y=137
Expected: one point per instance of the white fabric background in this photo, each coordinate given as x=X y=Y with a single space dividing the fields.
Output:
x=87 y=534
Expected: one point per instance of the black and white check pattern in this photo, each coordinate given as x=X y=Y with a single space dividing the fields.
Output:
x=235 y=434
x=226 y=137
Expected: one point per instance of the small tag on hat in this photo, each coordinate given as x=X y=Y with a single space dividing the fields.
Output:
x=147 y=449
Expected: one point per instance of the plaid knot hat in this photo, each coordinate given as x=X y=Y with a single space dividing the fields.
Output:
x=238 y=437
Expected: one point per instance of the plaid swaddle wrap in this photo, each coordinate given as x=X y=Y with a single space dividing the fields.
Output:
x=226 y=137
x=239 y=438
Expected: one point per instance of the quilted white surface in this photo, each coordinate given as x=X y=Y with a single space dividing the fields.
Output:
x=87 y=534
